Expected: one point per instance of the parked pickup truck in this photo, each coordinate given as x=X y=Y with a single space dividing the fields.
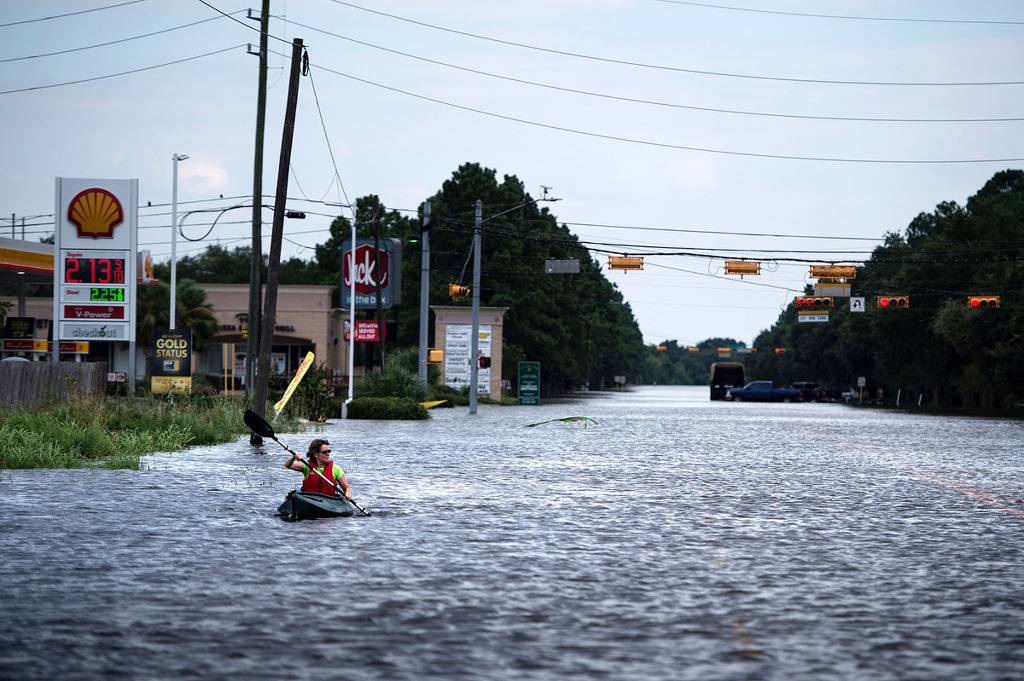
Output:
x=764 y=391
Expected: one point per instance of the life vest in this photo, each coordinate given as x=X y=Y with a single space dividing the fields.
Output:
x=314 y=484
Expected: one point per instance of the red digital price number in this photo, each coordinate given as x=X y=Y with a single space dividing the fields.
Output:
x=93 y=270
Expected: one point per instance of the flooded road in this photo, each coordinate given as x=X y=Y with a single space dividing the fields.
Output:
x=677 y=539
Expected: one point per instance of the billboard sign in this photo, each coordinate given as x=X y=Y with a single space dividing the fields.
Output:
x=457 y=362
x=172 y=362
x=372 y=266
x=95 y=258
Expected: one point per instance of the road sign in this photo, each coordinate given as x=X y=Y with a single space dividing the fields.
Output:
x=856 y=304
x=570 y=266
x=861 y=381
x=814 y=318
x=529 y=382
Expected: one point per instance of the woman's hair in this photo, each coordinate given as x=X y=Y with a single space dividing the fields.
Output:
x=314 y=447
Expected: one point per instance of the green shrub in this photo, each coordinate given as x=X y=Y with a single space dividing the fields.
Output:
x=313 y=399
x=394 y=381
x=387 y=408
x=455 y=398
x=409 y=359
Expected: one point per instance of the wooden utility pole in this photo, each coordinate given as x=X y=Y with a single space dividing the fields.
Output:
x=256 y=266
x=378 y=275
x=252 y=351
x=277 y=232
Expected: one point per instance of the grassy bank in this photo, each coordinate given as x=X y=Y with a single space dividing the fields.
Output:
x=115 y=432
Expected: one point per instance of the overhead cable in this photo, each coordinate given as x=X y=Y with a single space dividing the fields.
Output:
x=70 y=14
x=122 y=73
x=651 y=102
x=662 y=67
x=852 y=17
x=666 y=145
x=114 y=42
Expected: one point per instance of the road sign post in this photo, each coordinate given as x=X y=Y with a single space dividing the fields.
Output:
x=529 y=382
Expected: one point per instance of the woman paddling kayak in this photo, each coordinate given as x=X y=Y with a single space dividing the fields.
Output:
x=321 y=478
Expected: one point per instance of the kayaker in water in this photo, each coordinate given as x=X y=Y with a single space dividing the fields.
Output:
x=315 y=483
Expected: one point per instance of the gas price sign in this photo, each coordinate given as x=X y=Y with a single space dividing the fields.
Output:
x=95 y=265
x=78 y=270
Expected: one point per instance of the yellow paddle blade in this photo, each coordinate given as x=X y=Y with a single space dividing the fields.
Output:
x=431 y=405
x=299 y=373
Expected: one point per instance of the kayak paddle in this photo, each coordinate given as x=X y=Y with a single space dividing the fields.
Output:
x=258 y=425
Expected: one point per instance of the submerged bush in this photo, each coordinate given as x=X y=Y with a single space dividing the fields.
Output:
x=387 y=408
x=394 y=381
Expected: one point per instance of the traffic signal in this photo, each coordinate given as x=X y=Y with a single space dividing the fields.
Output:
x=435 y=355
x=833 y=271
x=742 y=267
x=458 y=291
x=811 y=302
x=485 y=362
x=976 y=302
x=893 y=302
x=625 y=262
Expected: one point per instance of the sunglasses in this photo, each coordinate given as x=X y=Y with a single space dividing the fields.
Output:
x=325 y=451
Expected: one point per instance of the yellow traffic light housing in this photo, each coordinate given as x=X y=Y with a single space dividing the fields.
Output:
x=625 y=262
x=982 y=302
x=892 y=302
x=742 y=267
x=833 y=272
x=458 y=291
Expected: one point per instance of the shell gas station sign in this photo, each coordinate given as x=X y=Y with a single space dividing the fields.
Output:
x=95 y=259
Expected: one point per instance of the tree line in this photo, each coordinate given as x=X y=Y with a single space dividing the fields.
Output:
x=577 y=325
x=939 y=350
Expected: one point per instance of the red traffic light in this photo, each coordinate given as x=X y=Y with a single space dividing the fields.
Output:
x=976 y=302
x=814 y=301
x=899 y=302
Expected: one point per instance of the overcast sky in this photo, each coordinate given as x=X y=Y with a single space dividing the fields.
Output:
x=402 y=147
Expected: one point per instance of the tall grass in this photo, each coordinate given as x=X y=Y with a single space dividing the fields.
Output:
x=115 y=432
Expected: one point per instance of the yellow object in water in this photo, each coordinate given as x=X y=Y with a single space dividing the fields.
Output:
x=431 y=405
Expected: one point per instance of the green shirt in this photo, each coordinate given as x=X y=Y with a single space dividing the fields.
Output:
x=338 y=473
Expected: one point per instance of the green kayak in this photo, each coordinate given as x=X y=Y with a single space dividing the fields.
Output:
x=305 y=506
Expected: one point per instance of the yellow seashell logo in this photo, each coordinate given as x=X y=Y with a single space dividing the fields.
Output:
x=95 y=213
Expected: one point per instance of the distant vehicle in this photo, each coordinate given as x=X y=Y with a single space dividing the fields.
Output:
x=849 y=395
x=763 y=391
x=15 y=359
x=726 y=375
x=811 y=392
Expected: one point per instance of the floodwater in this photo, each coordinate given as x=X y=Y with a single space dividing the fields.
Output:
x=676 y=539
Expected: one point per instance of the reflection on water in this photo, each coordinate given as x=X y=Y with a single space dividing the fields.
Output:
x=678 y=539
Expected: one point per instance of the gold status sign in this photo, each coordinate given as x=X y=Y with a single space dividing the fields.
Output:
x=172 y=362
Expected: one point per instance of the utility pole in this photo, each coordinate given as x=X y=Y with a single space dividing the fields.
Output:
x=474 y=366
x=273 y=268
x=13 y=219
x=252 y=351
x=424 y=288
x=377 y=276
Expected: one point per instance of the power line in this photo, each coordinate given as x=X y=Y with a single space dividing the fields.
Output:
x=666 y=145
x=122 y=73
x=651 y=102
x=662 y=67
x=327 y=139
x=842 y=16
x=70 y=14
x=114 y=42
x=242 y=23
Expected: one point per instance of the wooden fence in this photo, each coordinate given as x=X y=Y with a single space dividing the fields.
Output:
x=26 y=384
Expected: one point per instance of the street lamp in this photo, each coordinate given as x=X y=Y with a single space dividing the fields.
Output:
x=174 y=236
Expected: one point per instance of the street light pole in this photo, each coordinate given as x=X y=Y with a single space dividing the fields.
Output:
x=174 y=237
x=424 y=288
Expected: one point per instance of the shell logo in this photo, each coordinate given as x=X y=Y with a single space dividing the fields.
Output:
x=95 y=213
